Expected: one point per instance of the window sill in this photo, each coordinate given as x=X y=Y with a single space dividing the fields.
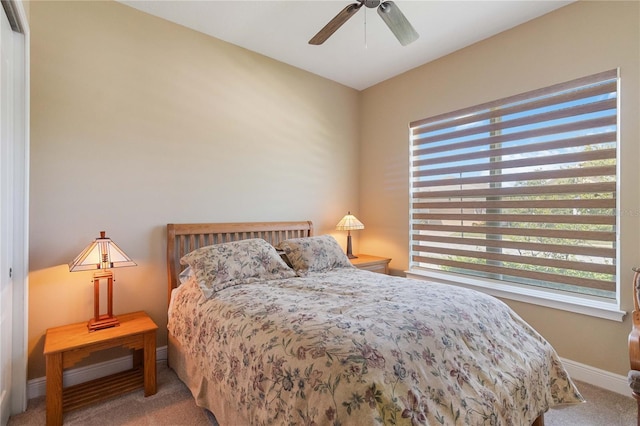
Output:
x=585 y=305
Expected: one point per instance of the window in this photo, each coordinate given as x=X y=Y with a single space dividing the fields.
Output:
x=521 y=190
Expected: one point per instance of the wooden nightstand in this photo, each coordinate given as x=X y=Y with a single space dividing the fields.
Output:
x=67 y=345
x=372 y=263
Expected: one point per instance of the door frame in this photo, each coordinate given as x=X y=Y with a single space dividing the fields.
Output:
x=17 y=15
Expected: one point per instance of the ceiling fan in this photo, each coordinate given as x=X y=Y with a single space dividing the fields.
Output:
x=388 y=11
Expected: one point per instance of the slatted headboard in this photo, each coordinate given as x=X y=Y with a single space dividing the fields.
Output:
x=183 y=238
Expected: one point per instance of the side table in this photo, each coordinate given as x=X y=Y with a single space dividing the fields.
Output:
x=372 y=263
x=67 y=345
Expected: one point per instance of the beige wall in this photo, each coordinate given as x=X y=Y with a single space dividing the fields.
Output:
x=194 y=129
x=137 y=122
x=580 y=39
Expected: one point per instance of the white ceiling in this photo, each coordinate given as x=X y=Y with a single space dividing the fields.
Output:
x=363 y=51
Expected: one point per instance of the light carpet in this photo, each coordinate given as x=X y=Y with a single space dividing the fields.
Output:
x=173 y=405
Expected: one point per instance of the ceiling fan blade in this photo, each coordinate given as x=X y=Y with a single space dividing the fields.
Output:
x=397 y=23
x=335 y=23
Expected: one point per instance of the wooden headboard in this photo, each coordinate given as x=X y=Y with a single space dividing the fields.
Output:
x=183 y=238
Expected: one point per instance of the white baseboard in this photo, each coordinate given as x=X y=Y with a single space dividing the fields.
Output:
x=38 y=387
x=597 y=377
x=582 y=372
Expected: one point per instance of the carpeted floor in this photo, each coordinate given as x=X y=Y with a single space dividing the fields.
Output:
x=171 y=405
x=174 y=406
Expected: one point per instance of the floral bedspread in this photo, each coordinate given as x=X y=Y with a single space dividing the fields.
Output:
x=351 y=347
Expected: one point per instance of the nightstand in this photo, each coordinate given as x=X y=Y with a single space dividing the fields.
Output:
x=372 y=263
x=67 y=345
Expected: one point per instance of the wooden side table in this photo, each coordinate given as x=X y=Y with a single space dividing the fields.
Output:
x=67 y=345
x=372 y=263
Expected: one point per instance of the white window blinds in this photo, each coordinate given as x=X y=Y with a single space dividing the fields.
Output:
x=522 y=189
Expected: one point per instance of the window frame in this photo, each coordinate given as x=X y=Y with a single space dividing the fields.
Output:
x=608 y=308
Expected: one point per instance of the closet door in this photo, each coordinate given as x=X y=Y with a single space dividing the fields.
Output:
x=14 y=207
x=6 y=214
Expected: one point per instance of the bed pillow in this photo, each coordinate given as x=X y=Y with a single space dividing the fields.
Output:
x=185 y=275
x=314 y=254
x=219 y=266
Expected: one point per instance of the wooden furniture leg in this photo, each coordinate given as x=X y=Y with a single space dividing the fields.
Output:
x=54 y=389
x=150 y=385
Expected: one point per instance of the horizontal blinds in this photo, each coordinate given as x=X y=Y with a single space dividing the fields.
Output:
x=521 y=189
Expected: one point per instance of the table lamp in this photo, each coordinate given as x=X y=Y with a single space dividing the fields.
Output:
x=349 y=223
x=101 y=255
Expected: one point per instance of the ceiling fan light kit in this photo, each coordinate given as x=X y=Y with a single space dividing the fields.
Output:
x=388 y=11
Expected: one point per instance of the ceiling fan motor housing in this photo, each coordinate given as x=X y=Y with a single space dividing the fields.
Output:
x=371 y=3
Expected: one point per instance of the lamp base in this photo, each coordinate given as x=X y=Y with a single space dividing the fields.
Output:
x=350 y=254
x=108 y=320
x=102 y=322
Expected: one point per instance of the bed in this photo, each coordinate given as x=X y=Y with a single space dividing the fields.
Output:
x=309 y=339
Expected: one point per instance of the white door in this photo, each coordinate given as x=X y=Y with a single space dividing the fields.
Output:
x=14 y=207
x=6 y=214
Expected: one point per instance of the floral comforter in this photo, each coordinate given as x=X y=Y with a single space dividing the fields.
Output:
x=353 y=347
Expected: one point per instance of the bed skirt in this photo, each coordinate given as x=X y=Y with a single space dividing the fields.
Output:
x=204 y=395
